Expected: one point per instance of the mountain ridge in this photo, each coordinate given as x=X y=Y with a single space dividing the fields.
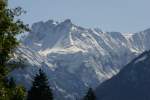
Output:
x=71 y=54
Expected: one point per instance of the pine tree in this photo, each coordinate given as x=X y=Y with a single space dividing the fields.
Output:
x=90 y=95
x=40 y=89
x=10 y=27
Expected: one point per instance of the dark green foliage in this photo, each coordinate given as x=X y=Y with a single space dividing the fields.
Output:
x=10 y=27
x=10 y=91
x=90 y=95
x=40 y=89
x=18 y=93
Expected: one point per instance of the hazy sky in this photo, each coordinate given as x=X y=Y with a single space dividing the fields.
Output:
x=108 y=15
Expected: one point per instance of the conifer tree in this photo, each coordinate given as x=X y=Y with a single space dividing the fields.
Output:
x=90 y=95
x=40 y=89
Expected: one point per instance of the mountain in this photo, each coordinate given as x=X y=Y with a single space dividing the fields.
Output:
x=75 y=58
x=131 y=83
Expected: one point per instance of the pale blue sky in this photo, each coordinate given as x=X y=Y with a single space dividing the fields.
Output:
x=108 y=15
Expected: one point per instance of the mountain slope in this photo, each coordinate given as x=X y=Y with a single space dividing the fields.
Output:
x=131 y=83
x=75 y=58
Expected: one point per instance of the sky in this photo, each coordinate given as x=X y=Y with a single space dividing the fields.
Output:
x=108 y=15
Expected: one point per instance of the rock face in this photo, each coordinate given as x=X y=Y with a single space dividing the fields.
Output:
x=131 y=83
x=75 y=58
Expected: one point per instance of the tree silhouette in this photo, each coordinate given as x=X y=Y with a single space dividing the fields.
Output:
x=90 y=95
x=40 y=89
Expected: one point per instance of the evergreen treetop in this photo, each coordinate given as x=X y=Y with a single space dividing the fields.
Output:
x=40 y=89
x=90 y=95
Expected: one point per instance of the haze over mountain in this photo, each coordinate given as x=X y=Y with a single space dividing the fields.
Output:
x=75 y=58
